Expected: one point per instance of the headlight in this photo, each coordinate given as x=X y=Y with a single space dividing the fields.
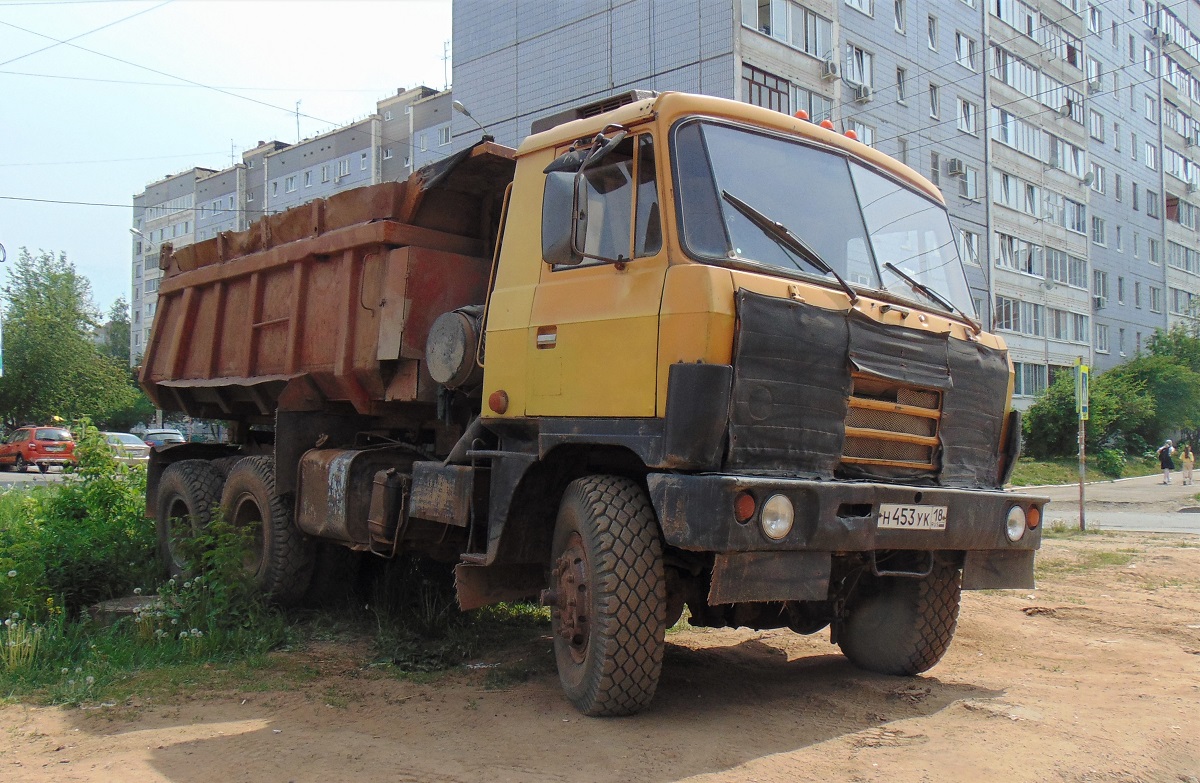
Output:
x=1016 y=523
x=777 y=517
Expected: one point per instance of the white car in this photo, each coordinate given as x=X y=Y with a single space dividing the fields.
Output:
x=160 y=438
x=127 y=449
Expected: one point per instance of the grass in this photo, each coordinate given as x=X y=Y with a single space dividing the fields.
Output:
x=1086 y=561
x=1065 y=470
x=1061 y=530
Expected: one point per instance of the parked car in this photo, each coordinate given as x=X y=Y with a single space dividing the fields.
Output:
x=160 y=438
x=40 y=446
x=127 y=449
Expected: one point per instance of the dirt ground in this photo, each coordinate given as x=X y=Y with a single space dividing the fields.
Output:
x=1095 y=676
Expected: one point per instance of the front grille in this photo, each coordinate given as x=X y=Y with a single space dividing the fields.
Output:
x=888 y=424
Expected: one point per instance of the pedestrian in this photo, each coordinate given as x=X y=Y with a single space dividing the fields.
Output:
x=1165 y=452
x=1189 y=461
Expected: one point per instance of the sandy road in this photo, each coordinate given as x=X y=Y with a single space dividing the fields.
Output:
x=1095 y=676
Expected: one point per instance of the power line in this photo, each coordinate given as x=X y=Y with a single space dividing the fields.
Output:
x=81 y=35
x=112 y=160
x=201 y=86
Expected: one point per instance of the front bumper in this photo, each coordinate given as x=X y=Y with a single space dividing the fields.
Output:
x=696 y=513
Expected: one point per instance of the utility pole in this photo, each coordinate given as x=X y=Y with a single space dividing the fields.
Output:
x=297 y=122
x=1082 y=373
x=445 y=65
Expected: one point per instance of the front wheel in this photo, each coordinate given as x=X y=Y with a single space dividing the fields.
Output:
x=903 y=625
x=279 y=557
x=608 y=596
x=20 y=465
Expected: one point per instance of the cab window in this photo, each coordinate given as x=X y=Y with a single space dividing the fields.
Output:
x=622 y=207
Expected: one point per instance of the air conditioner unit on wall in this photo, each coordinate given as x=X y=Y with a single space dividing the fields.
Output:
x=955 y=167
x=1191 y=187
x=863 y=93
x=1094 y=87
x=1098 y=302
x=829 y=69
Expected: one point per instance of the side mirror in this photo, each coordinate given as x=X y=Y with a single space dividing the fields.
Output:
x=563 y=227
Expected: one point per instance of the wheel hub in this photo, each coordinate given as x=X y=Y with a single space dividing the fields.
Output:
x=571 y=602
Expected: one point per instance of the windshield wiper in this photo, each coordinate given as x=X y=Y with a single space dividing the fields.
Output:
x=920 y=287
x=788 y=240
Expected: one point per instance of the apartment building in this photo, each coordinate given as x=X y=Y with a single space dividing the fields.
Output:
x=1052 y=126
x=407 y=130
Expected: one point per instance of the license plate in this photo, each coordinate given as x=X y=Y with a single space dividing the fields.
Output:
x=911 y=517
x=55 y=448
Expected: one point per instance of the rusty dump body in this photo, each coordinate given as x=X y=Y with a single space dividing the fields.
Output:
x=326 y=306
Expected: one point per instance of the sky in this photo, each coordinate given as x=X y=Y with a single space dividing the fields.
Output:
x=145 y=88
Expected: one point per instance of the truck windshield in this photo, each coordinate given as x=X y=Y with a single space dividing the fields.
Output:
x=853 y=217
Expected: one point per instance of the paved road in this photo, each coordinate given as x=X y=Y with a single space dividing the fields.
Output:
x=8 y=479
x=1142 y=504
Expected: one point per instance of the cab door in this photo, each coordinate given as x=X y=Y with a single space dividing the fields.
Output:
x=593 y=334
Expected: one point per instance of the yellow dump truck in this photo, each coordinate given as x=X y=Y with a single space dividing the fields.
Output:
x=681 y=353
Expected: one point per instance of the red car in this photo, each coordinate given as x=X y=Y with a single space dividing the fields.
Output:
x=41 y=446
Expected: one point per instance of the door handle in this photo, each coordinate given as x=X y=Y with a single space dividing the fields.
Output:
x=547 y=337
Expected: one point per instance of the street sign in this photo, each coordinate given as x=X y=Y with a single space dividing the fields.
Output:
x=1082 y=380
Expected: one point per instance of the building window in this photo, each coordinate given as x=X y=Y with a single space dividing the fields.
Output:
x=1137 y=294
x=764 y=89
x=275 y=188
x=1029 y=380
x=935 y=101
x=966 y=50
x=1101 y=338
x=861 y=5
x=865 y=133
x=443 y=136
x=818 y=106
x=1155 y=299
x=932 y=33
x=289 y=184
x=1098 y=175
x=858 y=65
x=901 y=85
x=325 y=173
x=968 y=246
x=902 y=151
x=1151 y=203
x=969 y=184
x=1095 y=22
x=1151 y=156
x=791 y=24
x=899 y=11
x=1151 y=109
x=935 y=175
x=968 y=114
x=1099 y=231
x=308 y=179
x=344 y=167
x=1117 y=189
x=1120 y=290
x=387 y=153
x=1096 y=125
x=362 y=161
x=387 y=115
x=1153 y=251
x=1100 y=285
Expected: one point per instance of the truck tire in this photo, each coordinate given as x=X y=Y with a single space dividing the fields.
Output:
x=280 y=558
x=188 y=494
x=608 y=594
x=225 y=464
x=904 y=625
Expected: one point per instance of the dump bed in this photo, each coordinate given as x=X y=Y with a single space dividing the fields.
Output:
x=328 y=304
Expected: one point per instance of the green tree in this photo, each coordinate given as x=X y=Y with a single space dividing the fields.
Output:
x=1172 y=385
x=116 y=332
x=52 y=366
x=1118 y=406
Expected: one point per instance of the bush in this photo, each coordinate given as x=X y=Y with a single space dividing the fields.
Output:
x=1111 y=462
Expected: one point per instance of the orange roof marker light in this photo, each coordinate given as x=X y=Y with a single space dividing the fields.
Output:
x=801 y=115
x=827 y=124
x=852 y=135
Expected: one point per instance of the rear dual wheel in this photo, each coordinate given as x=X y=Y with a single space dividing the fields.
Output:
x=192 y=493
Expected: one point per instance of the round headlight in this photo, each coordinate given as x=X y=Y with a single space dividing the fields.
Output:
x=777 y=517
x=1016 y=523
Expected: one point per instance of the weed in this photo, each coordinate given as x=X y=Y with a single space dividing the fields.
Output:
x=1086 y=561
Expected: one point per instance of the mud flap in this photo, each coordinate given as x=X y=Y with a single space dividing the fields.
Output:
x=993 y=569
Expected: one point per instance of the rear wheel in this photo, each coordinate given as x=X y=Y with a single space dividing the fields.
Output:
x=608 y=596
x=279 y=557
x=188 y=494
x=903 y=626
x=20 y=465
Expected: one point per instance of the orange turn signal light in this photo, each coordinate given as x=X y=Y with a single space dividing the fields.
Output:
x=801 y=115
x=743 y=507
x=827 y=124
x=852 y=134
x=1033 y=518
